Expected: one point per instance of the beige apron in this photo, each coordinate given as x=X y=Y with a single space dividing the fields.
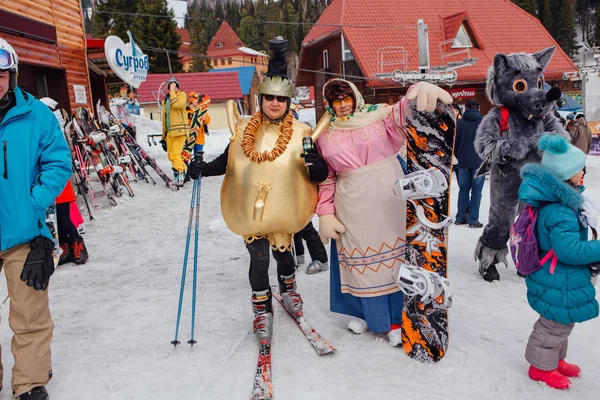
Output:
x=375 y=220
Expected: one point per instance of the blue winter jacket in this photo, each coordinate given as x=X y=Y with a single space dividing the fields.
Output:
x=35 y=164
x=566 y=296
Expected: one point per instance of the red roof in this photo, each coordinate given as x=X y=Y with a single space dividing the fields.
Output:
x=230 y=41
x=222 y=86
x=184 y=49
x=494 y=26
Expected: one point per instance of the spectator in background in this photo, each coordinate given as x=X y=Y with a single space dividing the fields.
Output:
x=71 y=242
x=471 y=186
x=316 y=249
x=175 y=128
x=581 y=134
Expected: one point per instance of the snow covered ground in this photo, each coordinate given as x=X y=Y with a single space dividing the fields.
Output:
x=115 y=318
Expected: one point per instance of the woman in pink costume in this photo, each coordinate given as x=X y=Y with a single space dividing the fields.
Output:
x=357 y=207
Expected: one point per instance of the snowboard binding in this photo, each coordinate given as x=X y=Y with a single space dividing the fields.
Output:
x=432 y=287
x=421 y=185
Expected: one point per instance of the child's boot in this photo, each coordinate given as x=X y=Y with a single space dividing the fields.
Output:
x=570 y=370
x=553 y=378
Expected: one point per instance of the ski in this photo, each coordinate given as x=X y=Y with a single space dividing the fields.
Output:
x=320 y=345
x=263 y=384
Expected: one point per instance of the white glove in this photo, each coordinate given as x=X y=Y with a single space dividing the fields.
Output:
x=427 y=96
x=590 y=211
x=330 y=228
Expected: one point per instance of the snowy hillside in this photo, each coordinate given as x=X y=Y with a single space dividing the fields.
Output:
x=115 y=318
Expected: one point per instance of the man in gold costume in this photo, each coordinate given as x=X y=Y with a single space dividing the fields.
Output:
x=268 y=192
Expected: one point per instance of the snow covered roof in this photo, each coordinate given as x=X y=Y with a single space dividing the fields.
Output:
x=248 y=50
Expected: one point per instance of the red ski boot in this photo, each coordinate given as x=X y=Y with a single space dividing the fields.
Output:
x=570 y=370
x=554 y=379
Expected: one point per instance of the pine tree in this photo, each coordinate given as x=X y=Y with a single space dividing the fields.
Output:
x=105 y=24
x=260 y=14
x=158 y=33
x=248 y=32
x=219 y=12
x=199 y=43
x=273 y=13
x=597 y=30
x=565 y=27
x=528 y=5
x=545 y=15
x=289 y=31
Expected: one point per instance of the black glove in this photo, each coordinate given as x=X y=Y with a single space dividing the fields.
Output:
x=163 y=143
x=39 y=265
x=197 y=168
x=318 y=170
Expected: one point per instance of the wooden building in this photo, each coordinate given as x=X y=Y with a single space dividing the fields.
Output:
x=226 y=50
x=48 y=36
x=359 y=39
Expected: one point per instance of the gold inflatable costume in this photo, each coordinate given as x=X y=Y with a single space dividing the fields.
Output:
x=269 y=199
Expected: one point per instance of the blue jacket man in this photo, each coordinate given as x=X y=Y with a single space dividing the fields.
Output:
x=35 y=164
x=469 y=196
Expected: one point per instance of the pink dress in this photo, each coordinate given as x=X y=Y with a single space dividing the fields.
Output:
x=362 y=170
x=344 y=150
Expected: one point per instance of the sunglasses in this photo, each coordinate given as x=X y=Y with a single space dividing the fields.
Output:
x=7 y=61
x=270 y=97
x=338 y=102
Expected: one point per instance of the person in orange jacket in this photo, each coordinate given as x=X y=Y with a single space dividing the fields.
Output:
x=71 y=242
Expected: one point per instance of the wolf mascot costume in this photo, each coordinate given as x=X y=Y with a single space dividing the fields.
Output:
x=506 y=139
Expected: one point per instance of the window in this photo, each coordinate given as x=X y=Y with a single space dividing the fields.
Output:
x=219 y=45
x=229 y=61
x=346 y=52
x=222 y=61
x=325 y=59
x=576 y=84
x=462 y=40
x=215 y=62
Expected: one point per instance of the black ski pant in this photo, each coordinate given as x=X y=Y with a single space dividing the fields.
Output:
x=260 y=255
x=316 y=248
x=67 y=232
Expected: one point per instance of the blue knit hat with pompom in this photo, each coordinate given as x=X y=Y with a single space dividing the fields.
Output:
x=560 y=157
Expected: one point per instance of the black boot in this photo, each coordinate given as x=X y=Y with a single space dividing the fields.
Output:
x=67 y=254
x=490 y=274
x=37 y=393
x=80 y=252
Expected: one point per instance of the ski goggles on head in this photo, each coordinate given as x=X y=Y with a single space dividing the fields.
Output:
x=7 y=60
x=270 y=97
x=338 y=102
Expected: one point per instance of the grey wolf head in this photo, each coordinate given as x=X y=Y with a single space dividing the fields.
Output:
x=517 y=80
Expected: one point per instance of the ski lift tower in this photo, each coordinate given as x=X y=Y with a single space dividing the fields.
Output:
x=440 y=74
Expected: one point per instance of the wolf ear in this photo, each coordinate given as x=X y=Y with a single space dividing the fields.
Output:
x=500 y=63
x=543 y=57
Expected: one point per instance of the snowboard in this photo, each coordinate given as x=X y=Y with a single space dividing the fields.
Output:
x=52 y=223
x=429 y=152
x=196 y=124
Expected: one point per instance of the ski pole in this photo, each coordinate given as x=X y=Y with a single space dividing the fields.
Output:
x=175 y=342
x=200 y=155
x=192 y=341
